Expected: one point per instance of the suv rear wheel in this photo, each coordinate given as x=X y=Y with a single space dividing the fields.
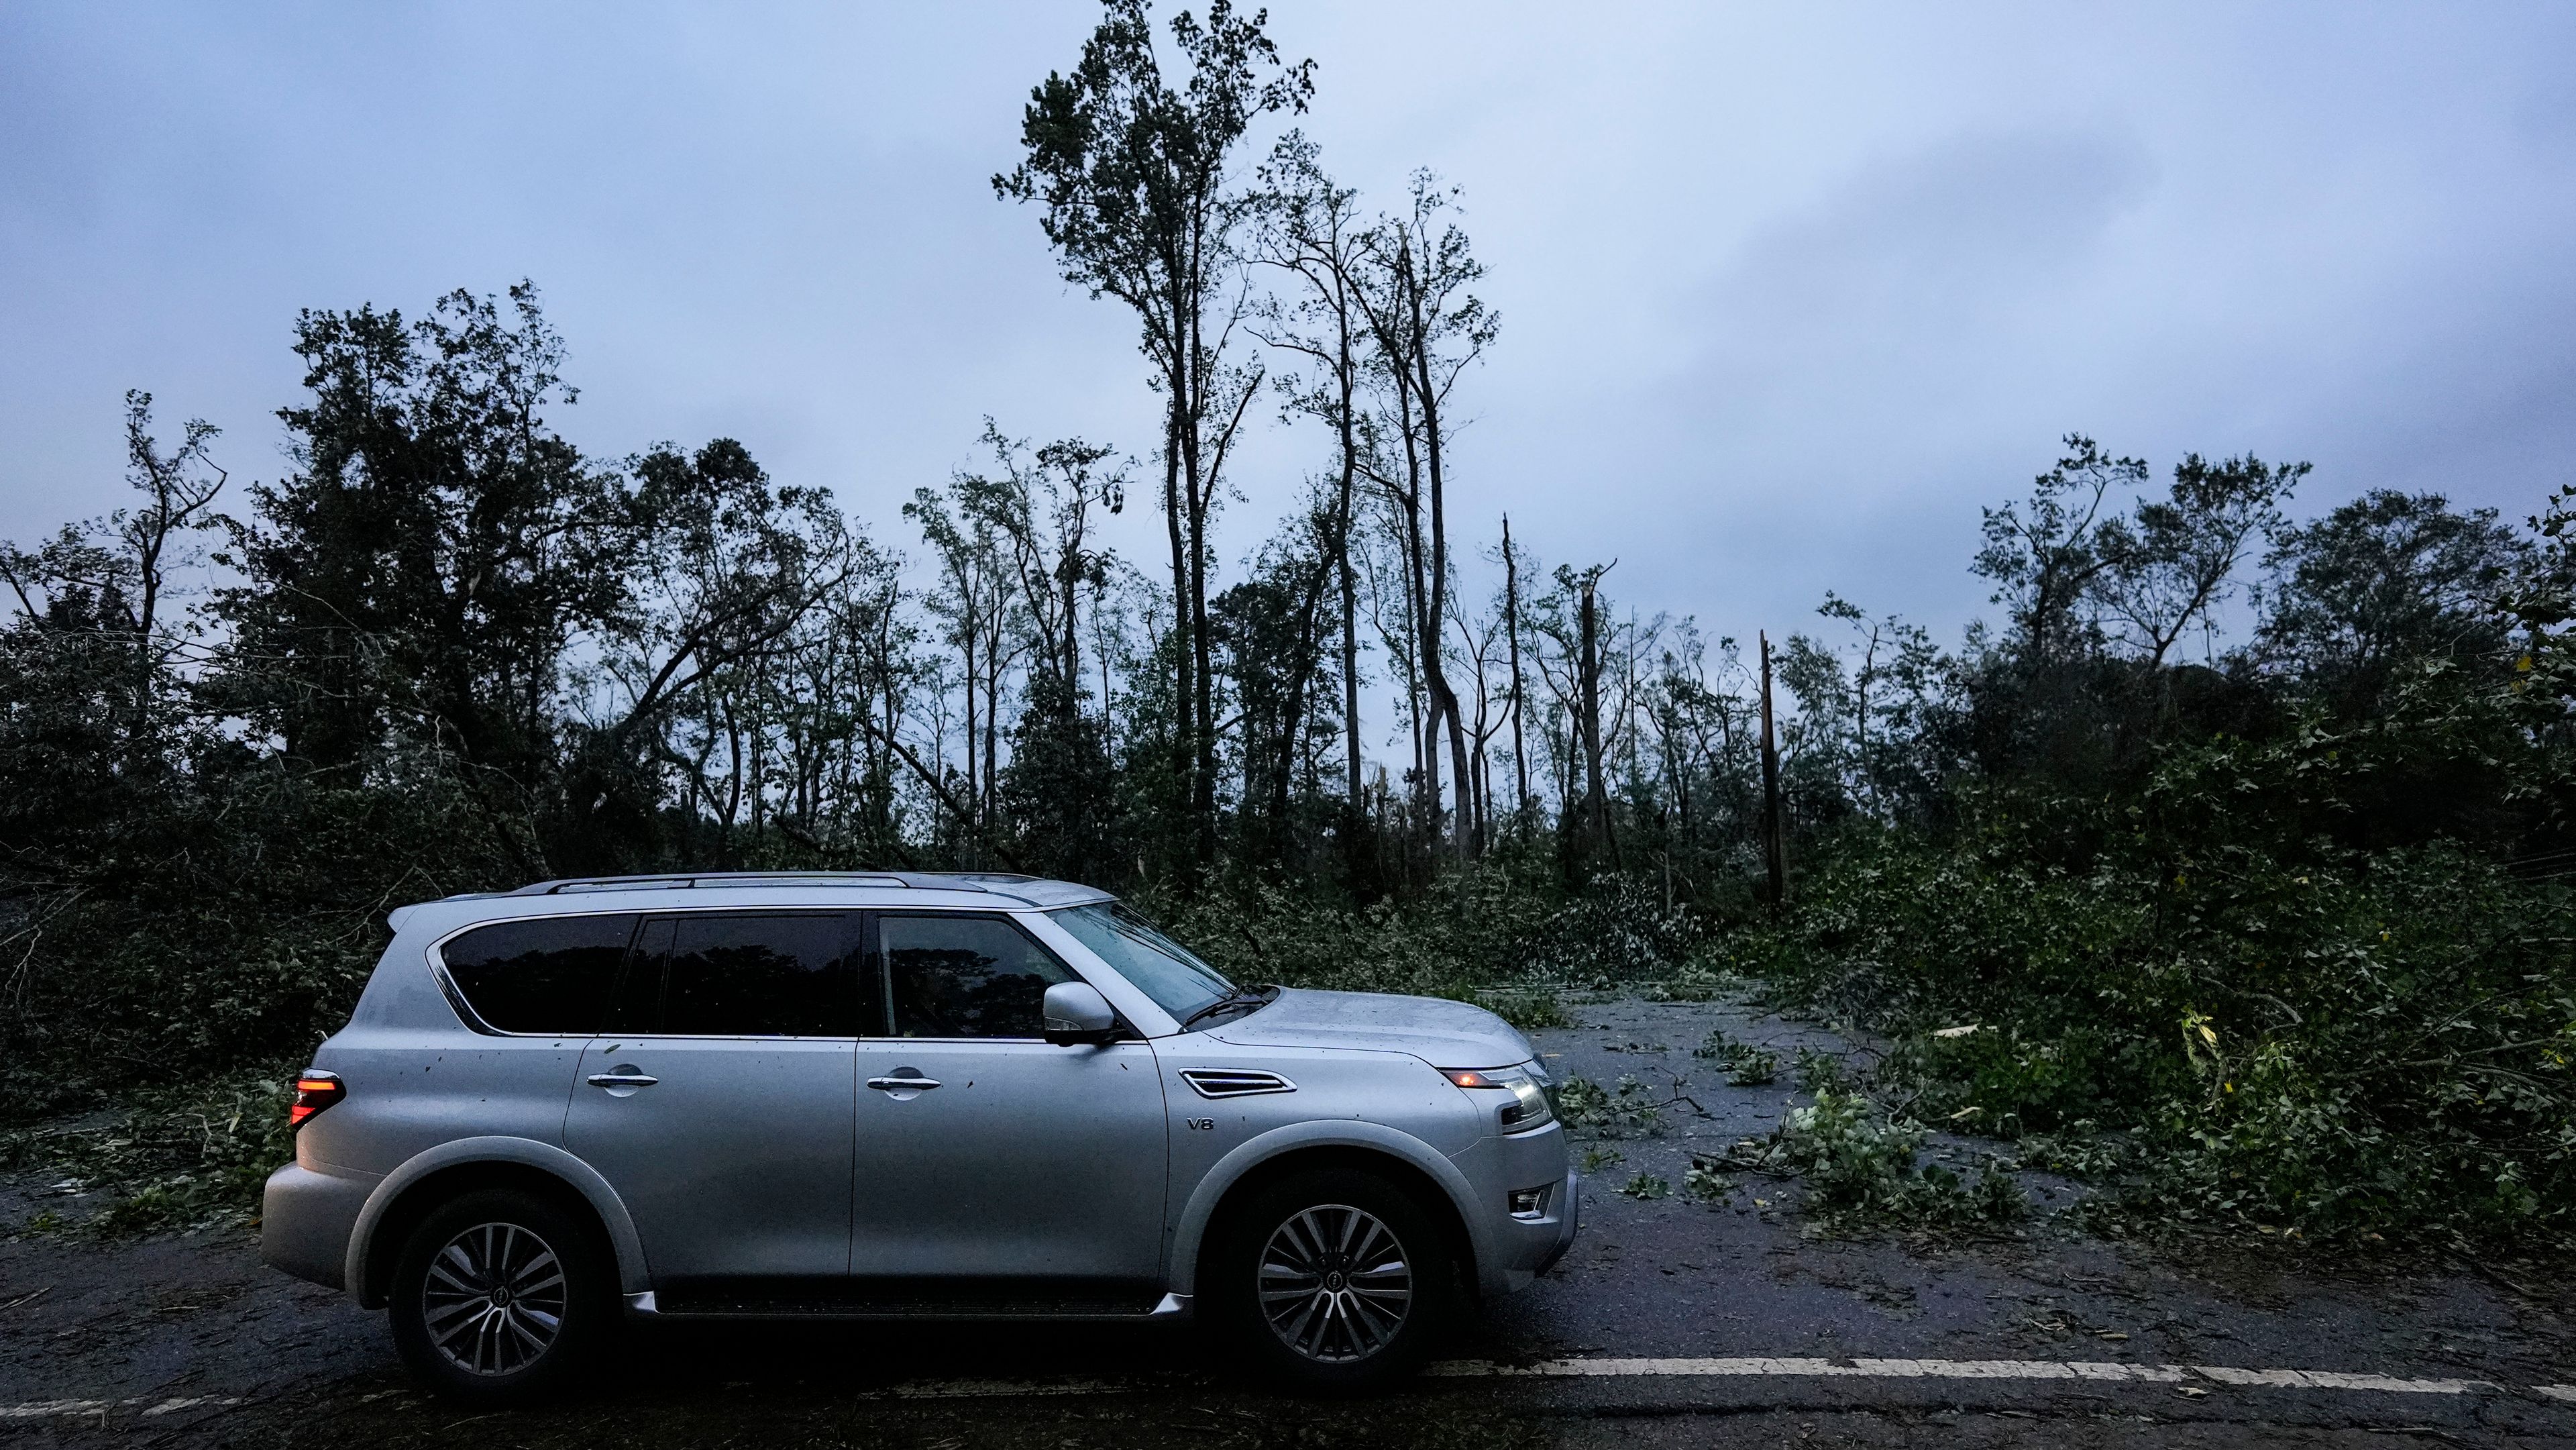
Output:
x=499 y=1297
x=1333 y=1281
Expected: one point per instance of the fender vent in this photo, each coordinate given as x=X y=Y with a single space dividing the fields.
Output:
x=1209 y=1082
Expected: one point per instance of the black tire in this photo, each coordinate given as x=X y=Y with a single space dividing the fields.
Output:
x=499 y=1349
x=1345 y=1332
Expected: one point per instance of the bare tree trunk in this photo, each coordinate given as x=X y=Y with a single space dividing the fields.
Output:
x=1570 y=762
x=1861 y=680
x=759 y=773
x=1413 y=719
x=1293 y=707
x=1773 y=866
x=1351 y=671
x=1203 y=776
x=1184 y=694
x=733 y=785
x=1484 y=793
x=1072 y=639
x=1426 y=767
x=1444 y=699
x=1320 y=248
x=973 y=796
x=1597 y=796
x=1512 y=626
x=992 y=728
x=1344 y=519
x=1424 y=624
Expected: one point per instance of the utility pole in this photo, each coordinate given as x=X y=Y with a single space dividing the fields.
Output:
x=1771 y=789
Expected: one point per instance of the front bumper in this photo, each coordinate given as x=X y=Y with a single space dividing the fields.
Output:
x=1512 y=1252
x=1569 y=1222
x=1521 y=1249
x=305 y=1219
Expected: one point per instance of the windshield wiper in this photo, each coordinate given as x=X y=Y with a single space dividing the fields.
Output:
x=1250 y=999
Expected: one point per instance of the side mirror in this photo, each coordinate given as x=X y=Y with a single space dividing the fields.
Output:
x=1076 y=1013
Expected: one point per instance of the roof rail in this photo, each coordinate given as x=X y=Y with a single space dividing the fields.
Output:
x=677 y=881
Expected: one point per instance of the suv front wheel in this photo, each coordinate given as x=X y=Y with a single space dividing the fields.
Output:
x=499 y=1297
x=1334 y=1281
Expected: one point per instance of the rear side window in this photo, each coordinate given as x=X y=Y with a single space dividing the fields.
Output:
x=744 y=975
x=548 y=976
x=966 y=976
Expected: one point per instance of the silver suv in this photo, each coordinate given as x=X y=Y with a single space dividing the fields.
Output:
x=897 y=1095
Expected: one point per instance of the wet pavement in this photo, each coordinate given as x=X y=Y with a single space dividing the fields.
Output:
x=1732 y=1326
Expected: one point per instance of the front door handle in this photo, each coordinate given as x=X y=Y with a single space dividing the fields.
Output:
x=621 y=1079
x=902 y=1084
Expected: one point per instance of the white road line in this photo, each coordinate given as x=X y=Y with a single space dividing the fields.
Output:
x=993 y=1389
x=2092 y=1371
x=189 y=1403
x=51 y=1409
x=2318 y=1379
x=45 y=1409
x=1973 y=1369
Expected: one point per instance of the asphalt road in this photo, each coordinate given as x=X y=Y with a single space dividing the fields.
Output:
x=1672 y=1323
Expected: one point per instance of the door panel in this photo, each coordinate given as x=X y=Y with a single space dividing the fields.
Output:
x=1028 y=1161
x=734 y=1162
x=718 y=1103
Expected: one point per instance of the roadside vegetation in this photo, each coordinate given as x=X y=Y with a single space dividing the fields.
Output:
x=177 y=1156
x=2223 y=867
x=2218 y=1011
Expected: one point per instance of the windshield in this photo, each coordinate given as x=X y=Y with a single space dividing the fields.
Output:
x=1160 y=967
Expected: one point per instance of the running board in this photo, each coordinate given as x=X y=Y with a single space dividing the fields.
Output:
x=1170 y=1306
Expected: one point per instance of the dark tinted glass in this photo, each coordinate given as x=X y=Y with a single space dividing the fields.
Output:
x=1158 y=966
x=966 y=976
x=761 y=976
x=552 y=975
x=638 y=1007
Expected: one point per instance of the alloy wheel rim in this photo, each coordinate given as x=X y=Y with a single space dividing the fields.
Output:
x=1335 y=1283
x=494 y=1299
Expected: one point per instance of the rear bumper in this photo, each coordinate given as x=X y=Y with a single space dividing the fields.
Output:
x=305 y=1219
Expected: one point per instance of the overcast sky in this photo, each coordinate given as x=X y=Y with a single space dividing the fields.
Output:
x=1787 y=290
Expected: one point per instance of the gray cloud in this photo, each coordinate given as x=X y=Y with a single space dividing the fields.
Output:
x=1788 y=291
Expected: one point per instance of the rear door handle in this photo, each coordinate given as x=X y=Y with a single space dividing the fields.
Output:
x=621 y=1079
x=901 y=1084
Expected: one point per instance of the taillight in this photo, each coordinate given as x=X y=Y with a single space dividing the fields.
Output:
x=314 y=1091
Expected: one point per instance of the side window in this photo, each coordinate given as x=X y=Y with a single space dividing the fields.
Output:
x=638 y=1007
x=740 y=975
x=966 y=976
x=549 y=976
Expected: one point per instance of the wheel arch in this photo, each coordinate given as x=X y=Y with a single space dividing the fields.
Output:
x=434 y=1176
x=1401 y=1158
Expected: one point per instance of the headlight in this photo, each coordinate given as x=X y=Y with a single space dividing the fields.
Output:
x=1532 y=1104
